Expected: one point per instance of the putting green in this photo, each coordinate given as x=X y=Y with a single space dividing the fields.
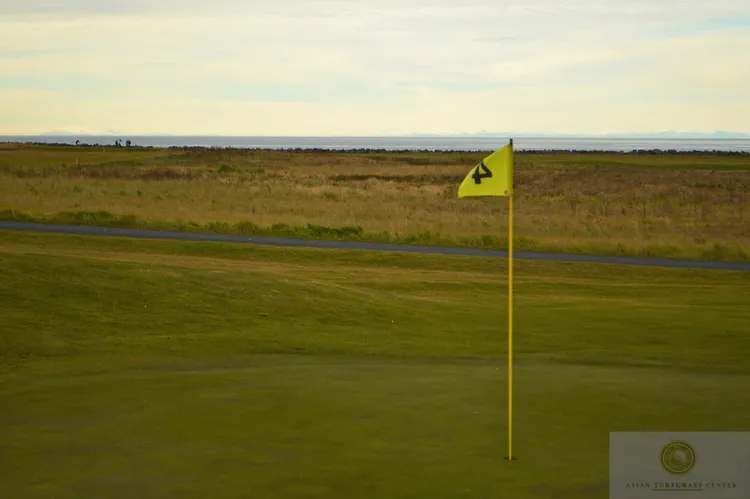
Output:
x=157 y=369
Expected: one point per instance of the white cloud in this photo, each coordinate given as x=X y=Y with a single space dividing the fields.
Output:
x=372 y=67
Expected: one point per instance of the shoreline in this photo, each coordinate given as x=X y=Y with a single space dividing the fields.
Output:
x=353 y=150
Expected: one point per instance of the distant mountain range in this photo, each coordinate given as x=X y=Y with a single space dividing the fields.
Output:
x=652 y=135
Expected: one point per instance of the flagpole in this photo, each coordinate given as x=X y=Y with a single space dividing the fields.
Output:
x=510 y=323
x=499 y=185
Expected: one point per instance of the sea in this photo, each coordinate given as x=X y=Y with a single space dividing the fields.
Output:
x=432 y=143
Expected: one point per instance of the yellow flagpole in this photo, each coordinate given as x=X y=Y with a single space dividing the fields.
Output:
x=510 y=324
x=510 y=327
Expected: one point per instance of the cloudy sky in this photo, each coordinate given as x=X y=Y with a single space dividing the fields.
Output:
x=373 y=67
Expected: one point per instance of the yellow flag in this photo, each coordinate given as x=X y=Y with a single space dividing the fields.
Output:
x=491 y=177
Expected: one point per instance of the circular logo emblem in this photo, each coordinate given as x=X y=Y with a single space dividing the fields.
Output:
x=677 y=458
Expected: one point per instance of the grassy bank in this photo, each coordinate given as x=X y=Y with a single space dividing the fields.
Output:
x=161 y=369
x=687 y=206
x=703 y=251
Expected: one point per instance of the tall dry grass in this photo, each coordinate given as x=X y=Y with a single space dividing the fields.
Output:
x=556 y=204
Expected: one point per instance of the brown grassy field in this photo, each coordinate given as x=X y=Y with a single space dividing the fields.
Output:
x=694 y=206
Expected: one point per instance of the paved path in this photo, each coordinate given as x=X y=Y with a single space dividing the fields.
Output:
x=311 y=243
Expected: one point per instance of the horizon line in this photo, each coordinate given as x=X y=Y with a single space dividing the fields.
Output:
x=717 y=135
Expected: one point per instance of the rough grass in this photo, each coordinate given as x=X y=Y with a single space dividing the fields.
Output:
x=689 y=206
x=160 y=369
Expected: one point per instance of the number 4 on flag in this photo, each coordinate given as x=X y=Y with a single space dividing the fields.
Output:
x=479 y=176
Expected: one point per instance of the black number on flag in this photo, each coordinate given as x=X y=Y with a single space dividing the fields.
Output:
x=486 y=173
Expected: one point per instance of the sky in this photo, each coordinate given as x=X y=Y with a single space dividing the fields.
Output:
x=373 y=67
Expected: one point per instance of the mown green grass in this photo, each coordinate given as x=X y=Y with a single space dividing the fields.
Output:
x=293 y=428
x=169 y=369
x=656 y=161
x=50 y=156
x=40 y=155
